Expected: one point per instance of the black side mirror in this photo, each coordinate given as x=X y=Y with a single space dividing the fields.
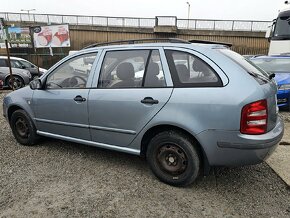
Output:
x=35 y=84
x=23 y=67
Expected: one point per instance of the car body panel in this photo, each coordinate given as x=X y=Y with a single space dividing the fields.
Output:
x=24 y=74
x=117 y=120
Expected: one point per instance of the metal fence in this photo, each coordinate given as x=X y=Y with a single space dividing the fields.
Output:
x=192 y=24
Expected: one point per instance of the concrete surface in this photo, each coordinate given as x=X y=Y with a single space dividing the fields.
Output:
x=280 y=159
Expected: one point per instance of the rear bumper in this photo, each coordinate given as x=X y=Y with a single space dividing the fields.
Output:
x=231 y=148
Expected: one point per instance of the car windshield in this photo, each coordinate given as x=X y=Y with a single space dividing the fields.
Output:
x=26 y=64
x=283 y=27
x=273 y=64
x=259 y=74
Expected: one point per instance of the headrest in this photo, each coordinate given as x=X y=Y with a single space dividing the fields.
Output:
x=125 y=71
x=153 y=69
x=183 y=72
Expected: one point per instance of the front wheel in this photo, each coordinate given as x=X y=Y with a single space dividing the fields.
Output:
x=15 y=83
x=23 y=128
x=173 y=158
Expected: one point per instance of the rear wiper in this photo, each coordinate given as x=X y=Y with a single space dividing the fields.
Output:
x=272 y=75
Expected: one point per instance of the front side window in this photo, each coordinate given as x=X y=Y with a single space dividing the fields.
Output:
x=131 y=69
x=189 y=70
x=16 y=64
x=73 y=74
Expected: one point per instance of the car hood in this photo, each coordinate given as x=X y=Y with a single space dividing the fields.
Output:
x=282 y=78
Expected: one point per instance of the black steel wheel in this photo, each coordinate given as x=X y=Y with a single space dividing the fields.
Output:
x=23 y=128
x=173 y=158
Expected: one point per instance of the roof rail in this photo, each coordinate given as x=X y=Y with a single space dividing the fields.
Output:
x=171 y=40
x=133 y=41
x=210 y=42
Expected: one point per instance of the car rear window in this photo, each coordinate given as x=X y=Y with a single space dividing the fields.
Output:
x=260 y=75
x=273 y=64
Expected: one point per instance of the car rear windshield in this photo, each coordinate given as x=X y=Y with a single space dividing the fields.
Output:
x=260 y=75
x=273 y=64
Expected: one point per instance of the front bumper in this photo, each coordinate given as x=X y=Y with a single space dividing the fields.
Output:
x=231 y=148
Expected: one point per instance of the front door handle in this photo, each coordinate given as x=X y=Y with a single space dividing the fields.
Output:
x=149 y=100
x=79 y=98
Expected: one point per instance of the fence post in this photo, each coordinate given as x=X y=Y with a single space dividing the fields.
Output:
x=214 y=25
x=251 y=26
x=92 y=20
x=34 y=18
x=233 y=23
x=48 y=19
x=139 y=23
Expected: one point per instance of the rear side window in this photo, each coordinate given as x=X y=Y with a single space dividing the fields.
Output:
x=260 y=75
x=3 y=63
x=131 y=69
x=188 y=70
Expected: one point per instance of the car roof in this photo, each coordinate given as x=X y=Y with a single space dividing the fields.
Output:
x=15 y=58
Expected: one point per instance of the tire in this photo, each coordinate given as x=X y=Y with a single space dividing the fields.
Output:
x=173 y=158
x=17 y=84
x=23 y=128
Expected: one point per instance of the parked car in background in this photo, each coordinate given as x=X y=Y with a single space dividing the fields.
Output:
x=22 y=64
x=280 y=66
x=184 y=106
x=21 y=77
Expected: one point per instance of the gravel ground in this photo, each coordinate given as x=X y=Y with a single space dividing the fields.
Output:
x=61 y=179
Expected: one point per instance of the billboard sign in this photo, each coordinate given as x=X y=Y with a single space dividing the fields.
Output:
x=54 y=36
x=19 y=37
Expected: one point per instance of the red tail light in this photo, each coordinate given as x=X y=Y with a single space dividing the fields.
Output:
x=254 y=118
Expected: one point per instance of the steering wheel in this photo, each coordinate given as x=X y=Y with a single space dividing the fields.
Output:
x=73 y=81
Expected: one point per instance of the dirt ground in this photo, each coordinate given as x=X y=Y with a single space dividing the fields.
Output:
x=62 y=179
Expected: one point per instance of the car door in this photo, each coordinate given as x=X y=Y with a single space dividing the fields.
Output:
x=132 y=88
x=61 y=106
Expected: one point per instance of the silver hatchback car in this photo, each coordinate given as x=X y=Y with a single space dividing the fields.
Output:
x=184 y=106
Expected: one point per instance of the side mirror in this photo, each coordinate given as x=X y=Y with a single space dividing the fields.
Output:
x=35 y=84
x=23 y=67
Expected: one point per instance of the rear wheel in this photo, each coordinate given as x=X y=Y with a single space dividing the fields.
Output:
x=23 y=128
x=173 y=158
x=16 y=83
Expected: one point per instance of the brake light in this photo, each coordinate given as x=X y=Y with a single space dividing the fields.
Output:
x=254 y=118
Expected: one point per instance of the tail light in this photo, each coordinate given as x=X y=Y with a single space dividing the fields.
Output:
x=254 y=118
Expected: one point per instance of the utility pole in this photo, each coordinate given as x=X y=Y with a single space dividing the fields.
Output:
x=188 y=13
x=2 y=25
x=28 y=12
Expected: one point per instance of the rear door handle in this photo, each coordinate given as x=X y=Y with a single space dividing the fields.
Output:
x=149 y=100
x=79 y=98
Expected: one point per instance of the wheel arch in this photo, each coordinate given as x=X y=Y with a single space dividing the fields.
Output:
x=150 y=133
x=12 y=109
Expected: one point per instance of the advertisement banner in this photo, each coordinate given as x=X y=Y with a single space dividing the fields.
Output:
x=19 y=37
x=54 y=36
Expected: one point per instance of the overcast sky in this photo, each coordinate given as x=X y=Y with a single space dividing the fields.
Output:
x=200 y=9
